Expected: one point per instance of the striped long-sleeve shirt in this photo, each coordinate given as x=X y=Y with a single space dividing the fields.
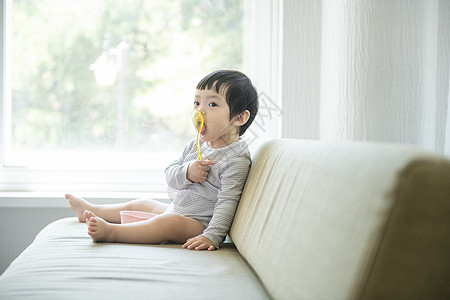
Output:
x=212 y=202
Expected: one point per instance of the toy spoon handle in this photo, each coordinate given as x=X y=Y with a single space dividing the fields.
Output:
x=199 y=152
x=197 y=119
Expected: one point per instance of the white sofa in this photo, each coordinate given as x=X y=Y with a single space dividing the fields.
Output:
x=317 y=220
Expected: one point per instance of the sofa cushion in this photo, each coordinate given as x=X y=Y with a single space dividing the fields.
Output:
x=343 y=220
x=64 y=263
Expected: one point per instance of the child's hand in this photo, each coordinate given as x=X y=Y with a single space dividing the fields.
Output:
x=198 y=171
x=199 y=242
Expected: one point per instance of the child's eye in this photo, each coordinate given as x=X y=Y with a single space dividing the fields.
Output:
x=212 y=104
x=196 y=103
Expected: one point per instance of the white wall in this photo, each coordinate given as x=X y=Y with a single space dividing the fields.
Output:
x=19 y=226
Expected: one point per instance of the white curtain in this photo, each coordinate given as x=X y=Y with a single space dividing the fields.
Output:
x=376 y=70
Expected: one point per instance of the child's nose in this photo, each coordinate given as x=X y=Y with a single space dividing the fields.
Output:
x=202 y=110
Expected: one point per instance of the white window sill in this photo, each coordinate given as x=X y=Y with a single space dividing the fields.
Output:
x=75 y=181
x=56 y=199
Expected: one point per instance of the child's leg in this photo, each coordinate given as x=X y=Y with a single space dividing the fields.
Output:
x=175 y=228
x=110 y=212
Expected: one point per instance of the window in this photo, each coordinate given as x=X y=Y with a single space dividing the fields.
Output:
x=97 y=95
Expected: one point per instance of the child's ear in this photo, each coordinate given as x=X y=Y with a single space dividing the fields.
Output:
x=242 y=118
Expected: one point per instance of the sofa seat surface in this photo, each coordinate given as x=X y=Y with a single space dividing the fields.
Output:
x=64 y=263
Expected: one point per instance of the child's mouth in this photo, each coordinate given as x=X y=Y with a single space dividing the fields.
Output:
x=203 y=130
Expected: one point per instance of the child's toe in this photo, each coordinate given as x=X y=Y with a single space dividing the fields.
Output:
x=88 y=214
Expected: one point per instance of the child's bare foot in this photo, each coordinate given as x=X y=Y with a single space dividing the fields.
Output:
x=98 y=229
x=78 y=205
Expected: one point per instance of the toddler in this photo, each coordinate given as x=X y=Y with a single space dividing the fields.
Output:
x=201 y=214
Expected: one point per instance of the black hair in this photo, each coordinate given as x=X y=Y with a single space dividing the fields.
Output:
x=239 y=91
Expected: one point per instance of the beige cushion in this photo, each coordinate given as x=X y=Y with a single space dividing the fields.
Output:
x=330 y=220
x=64 y=263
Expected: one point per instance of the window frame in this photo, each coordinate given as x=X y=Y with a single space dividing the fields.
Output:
x=262 y=62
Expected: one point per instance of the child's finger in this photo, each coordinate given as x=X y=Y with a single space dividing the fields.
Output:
x=193 y=245
x=187 y=243
x=202 y=246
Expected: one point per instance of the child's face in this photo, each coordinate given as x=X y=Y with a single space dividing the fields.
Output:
x=219 y=131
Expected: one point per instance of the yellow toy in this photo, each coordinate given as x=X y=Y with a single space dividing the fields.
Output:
x=199 y=121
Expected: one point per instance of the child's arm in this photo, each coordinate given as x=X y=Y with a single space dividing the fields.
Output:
x=176 y=172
